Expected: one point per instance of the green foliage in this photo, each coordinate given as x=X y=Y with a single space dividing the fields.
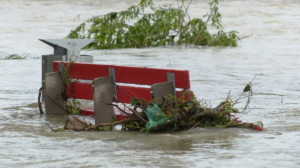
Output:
x=14 y=56
x=6 y=56
x=135 y=101
x=59 y=130
x=72 y=106
x=185 y=115
x=164 y=25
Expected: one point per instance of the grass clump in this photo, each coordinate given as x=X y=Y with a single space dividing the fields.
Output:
x=6 y=56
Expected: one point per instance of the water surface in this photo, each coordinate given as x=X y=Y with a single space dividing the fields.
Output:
x=272 y=53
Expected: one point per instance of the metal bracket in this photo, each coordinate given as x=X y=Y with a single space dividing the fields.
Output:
x=112 y=74
x=103 y=91
x=47 y=67
x=171 y=78
x=71 y=47
x=61 y=67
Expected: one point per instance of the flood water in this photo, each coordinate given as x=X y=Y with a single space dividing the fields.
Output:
x=272 y=53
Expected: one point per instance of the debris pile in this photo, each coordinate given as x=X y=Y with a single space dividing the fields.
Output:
x=173 y=114
x=168 y=113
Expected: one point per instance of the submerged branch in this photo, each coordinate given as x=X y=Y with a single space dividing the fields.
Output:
x=39 y=101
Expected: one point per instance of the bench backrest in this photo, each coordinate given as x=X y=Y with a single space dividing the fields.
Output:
x=123 y=74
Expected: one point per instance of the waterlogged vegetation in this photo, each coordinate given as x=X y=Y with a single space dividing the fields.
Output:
x=6 y=56
x=173 y=114
x=148 y=25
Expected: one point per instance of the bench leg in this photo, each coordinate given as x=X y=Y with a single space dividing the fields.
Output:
x=160 y=90
x=103 y=91
x=47 y=67
x=54 y=103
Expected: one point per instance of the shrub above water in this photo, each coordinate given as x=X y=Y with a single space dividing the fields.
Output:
x=163 y=25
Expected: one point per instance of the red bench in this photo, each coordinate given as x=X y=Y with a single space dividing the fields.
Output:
x=101 y=74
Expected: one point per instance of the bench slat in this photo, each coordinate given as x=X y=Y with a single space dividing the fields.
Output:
x=124 y=74
x=85 y=91
x=81 y=91
x=133 y=92
x=89 y=111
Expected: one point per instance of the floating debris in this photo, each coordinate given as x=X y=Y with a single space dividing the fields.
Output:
x=173 y=114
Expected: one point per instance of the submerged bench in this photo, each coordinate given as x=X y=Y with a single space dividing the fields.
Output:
x=148 y=84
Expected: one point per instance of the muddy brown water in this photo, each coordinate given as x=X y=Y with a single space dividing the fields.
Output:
x=272 y=53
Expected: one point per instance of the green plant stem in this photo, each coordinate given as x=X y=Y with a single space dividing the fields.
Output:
x=204 y=26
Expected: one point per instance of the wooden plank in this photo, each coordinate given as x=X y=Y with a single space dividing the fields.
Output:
x=124 y=74
x=80 y=91
x=133 y=92
x=88 y=111
x=85 y=91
